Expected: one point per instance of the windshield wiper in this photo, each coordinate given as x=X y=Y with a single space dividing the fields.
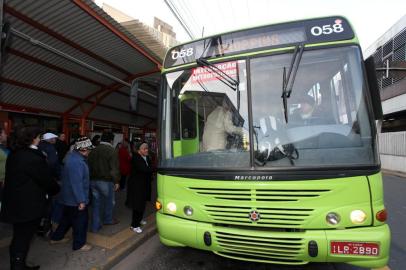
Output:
x=223 y=77
x=287 y=81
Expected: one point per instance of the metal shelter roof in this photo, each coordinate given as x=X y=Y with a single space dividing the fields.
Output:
x=36 y=80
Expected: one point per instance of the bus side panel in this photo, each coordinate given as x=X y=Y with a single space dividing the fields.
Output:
x=376 y=186
x=177 y=148
x=190 y=146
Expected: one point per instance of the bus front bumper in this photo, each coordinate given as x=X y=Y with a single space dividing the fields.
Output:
x=281 y=247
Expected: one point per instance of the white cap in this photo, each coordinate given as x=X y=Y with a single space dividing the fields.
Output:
x=48 y=136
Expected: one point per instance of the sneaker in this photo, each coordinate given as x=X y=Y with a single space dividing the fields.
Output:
x=62 y=241
x=143 y=222
x=85 y=247
x=137 y=229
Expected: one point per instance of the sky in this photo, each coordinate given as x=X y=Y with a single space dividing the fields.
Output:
x=370 y=19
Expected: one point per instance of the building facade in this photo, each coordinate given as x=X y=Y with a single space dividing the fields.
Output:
x=390 y=51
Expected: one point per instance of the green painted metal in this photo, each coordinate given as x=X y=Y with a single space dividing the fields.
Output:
x=260 y=52
x=293 y=213
x=258 y=26
x=187 y=146
x=177 y=148
x=218 y=203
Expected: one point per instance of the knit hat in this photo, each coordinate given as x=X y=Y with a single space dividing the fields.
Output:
x=83 y=143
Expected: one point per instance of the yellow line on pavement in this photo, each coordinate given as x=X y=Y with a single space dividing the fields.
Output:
x=382 y=268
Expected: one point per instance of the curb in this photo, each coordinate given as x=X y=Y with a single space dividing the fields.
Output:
x=396 y=173
x=128 y=246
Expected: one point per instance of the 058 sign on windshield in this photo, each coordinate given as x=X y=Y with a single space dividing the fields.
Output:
x=182 y=53
x=327 y=29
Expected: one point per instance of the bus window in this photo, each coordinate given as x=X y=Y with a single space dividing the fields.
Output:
x=325 y=111
x=209 y=123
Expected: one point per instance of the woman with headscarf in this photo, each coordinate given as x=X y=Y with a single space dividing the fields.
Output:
x=137 y=186
x=28 y=184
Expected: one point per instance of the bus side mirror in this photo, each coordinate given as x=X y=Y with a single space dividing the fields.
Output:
x=374 y=88
x=134 y=95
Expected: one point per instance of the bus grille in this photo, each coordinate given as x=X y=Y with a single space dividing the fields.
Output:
x=261 y=248
x=269 y=217
x=234 y=206
x=265 y=195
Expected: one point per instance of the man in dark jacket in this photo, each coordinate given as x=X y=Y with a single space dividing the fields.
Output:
x=3 y=157
x=105 y=178
x=74 y=196
x=28 y=182
x=54 y=212
x=47 y=145
x=61 y=147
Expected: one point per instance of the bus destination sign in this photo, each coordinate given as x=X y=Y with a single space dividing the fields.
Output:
x=261 y=38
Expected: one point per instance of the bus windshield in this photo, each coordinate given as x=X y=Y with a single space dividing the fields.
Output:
x=206 y=122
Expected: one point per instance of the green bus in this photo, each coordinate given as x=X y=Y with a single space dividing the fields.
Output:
x=268 y=146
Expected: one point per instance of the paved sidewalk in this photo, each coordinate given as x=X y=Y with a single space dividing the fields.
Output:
x=109 y=245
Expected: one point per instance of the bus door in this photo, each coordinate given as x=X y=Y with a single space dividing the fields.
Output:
x=189 y=142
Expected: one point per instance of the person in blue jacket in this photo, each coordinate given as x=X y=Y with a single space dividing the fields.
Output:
x=74 y=196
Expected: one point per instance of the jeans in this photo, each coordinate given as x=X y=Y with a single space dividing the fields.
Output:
x=77 y=219
x=1 y=192
x=102 y=199
x=123 y=181
x=56 y=210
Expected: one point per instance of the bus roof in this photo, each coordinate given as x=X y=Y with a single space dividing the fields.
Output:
x=316 y=30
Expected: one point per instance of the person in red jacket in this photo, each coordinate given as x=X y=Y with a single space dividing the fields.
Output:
x=124 y=158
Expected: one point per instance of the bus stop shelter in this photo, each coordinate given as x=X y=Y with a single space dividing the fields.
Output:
x=71 y=60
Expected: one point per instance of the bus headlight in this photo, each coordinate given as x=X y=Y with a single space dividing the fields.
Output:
x=333 y=218
x=188 y=210
x=358 y=216
x=171 y=207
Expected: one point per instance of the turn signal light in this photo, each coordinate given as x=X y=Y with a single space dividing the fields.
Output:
x=382 y=215
x=158 y=205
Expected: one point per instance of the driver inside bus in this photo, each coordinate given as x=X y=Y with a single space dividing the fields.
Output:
x=218 y=126
x=305 y=111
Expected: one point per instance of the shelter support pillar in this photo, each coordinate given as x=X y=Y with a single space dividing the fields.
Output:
x=125 y=130
x=82 y=128
x=65 y=126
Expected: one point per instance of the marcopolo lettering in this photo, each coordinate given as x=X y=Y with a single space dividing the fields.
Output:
x=253 y=177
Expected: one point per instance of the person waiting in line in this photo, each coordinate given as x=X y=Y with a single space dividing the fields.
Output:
x=105 y=178
x=137 y=186
x=54 y=214
x=61 y=147
x=75 y=196
x=28 y=182
x=3 y=157
x=47 y=146
x=96 y=140
x=218 y=126
x=124 y=157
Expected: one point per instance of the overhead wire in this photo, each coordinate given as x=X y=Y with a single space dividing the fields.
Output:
x=179 y=17
x=190 y=17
